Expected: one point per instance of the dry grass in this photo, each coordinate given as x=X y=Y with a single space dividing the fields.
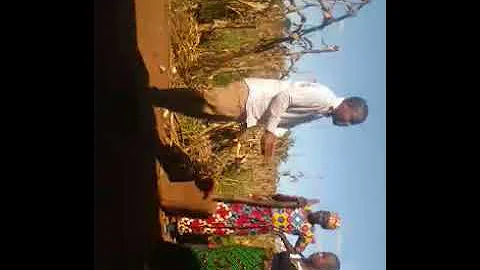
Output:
x=212 y=146
x=185 y=38
x=252 y=176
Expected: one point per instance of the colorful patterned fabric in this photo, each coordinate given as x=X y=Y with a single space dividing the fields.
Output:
x=244 y=219
x=231 y=257
x=294 y=221
x=238 y=219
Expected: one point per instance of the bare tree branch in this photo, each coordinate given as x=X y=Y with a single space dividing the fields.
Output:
x=309 y=42
x=291 y=68
x=303 y=18
x=295 y=57
x=324 y=7
x=301 y=9
x=332 y=48
x=297 y=37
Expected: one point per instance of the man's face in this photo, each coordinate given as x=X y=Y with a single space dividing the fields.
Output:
x=344 y=115
x=319 y=260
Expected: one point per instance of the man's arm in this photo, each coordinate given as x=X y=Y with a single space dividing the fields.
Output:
x=286 y=198
x=301 y=200
x=276 y=108
x=290 y=249
x=285 y=241
x=302 y=242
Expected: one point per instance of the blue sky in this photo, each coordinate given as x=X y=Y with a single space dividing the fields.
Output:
x=344 y=167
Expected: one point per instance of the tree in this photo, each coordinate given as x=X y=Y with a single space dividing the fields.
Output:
x=295 y=41
x=327 y=7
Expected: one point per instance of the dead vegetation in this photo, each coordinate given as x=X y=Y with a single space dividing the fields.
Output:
x=198 y=59
x=215 y=42
x=203 y=38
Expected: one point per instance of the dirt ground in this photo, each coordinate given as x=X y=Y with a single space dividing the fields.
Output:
x=131 y=43
x=153 y=39
x=154 y=42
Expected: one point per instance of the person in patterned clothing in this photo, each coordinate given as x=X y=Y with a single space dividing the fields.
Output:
x=240 y=218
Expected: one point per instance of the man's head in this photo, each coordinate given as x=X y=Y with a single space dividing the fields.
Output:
x=324 y=261
x=351 y=111
x=328 y=220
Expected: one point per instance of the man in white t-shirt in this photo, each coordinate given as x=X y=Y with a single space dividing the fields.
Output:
x=275 y=104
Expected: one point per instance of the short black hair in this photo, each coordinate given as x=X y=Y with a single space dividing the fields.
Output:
x=335 y=265
x=360 y=106
x=320 y=217
x=333 y=261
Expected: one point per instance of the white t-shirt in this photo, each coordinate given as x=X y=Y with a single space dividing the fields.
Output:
x=281 y=105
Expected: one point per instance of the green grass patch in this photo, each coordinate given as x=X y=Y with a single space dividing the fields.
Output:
x=225 y=78
x=232 y=39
